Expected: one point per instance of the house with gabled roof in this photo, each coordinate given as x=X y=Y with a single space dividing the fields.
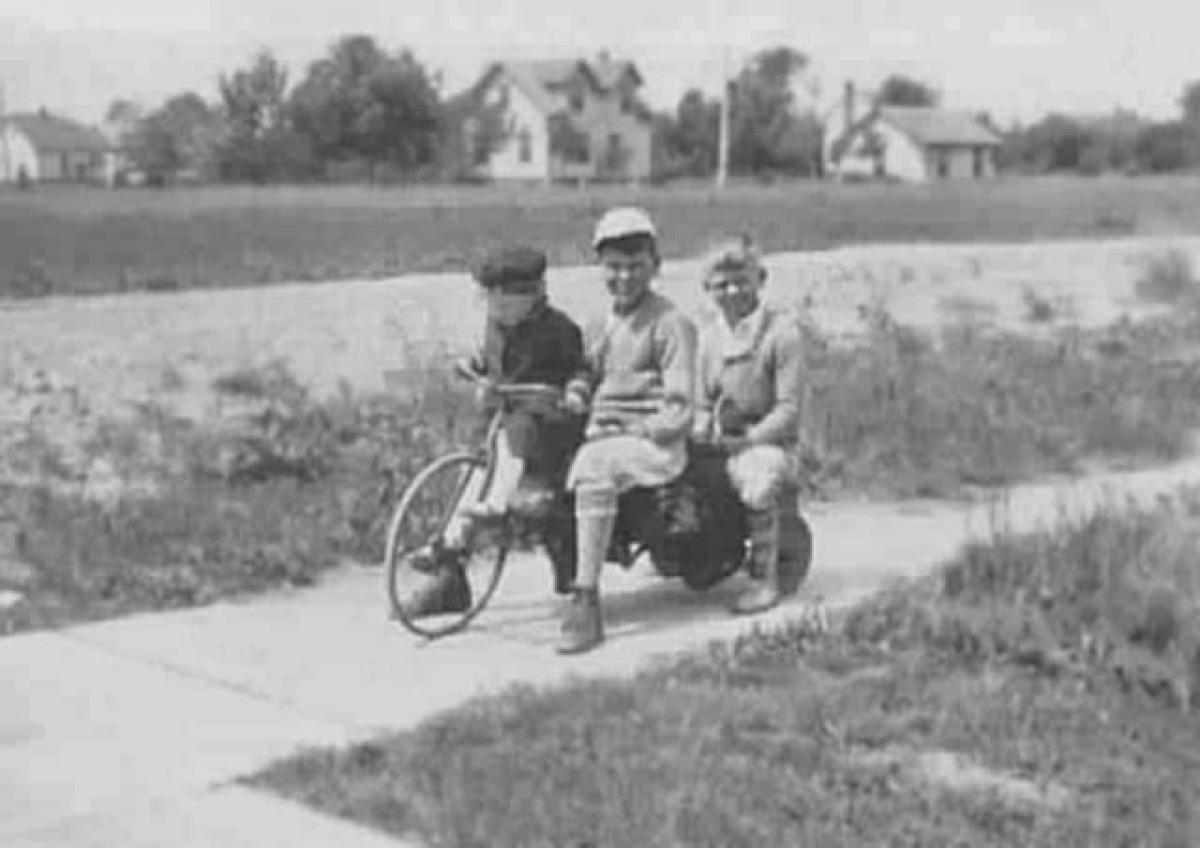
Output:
x=908 y=143
x=43 y=147
x=559 y=119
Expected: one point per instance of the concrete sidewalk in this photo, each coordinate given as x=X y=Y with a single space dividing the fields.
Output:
x=130 y=733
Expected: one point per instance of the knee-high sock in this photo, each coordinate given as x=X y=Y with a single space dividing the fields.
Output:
x=596 y=515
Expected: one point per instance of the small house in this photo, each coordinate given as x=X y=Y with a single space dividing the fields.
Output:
x=558 y=119
x=910 y=144
x=40 y=147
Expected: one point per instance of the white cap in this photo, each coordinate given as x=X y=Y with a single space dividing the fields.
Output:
x=623 y=221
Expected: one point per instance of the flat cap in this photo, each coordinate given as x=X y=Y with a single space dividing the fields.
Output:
x=511 y=264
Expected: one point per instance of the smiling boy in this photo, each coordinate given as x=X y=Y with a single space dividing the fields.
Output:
x=640 y=389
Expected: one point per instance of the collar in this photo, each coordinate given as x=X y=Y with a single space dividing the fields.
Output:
x=625 y=313
x=740 y=340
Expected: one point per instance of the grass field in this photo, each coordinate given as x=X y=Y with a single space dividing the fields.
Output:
x=1035 y=692
x=93 y=241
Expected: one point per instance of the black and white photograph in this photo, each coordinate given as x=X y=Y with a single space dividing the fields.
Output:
x=545 y=424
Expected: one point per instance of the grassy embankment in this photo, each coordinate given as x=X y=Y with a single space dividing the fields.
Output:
x=66 y=241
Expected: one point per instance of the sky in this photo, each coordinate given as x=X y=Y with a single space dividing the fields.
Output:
x=1017 y=59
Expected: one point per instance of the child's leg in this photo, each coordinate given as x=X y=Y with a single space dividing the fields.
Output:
x=482 y=496
x=506 y=477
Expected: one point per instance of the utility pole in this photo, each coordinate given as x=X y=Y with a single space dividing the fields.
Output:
x=723 y=122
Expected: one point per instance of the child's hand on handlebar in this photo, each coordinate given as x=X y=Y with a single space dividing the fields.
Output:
x=575 y=403
x=485 y=392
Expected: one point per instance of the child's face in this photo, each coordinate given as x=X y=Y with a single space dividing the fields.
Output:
x=628 y=275
x=510 y=305
x=736 y=292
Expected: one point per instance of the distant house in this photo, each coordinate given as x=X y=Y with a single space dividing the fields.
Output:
x=43 y=147
x=908 y=143
x=558 y=119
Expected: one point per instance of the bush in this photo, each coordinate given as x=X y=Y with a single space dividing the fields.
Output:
x=1115 y=592
x=187 y=515
x=1167 y=278
x=905 y=413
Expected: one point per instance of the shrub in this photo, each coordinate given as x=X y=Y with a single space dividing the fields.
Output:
x=1167 y=278
x=1115 y=592
x=906 y=413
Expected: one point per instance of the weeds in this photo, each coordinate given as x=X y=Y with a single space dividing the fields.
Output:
x=1038 y=309
x=185 y=514
x=973 y=707
x=1168 y=278
x=905 y=413
x=902 y=414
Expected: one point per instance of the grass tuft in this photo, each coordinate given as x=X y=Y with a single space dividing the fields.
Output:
x=1168 y=278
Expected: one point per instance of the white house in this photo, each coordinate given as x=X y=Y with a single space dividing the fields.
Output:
x=42 y=147
x=908 y=143
x=561 y=119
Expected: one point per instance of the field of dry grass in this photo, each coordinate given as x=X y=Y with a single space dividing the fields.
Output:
x=71 y=241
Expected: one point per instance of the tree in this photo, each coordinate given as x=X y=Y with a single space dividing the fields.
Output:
x=899 y=90
x=1166 y=146
x=690 y=140
x=121 y=119
x=1189 y=104
x=766 y=131
x=361 y=102
x=1055 y=143
x=182 y=134
x=259 y=143
x=254 y=97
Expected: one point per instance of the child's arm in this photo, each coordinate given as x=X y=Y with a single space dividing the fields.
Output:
x=780 y=424
x=703 y=395
x=585 y=371
x=676 y=345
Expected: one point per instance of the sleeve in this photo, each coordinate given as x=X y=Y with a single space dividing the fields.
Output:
x=589 y=367
x=675 y=345
x=702 y=394
x=781 y=424
x=478 y=360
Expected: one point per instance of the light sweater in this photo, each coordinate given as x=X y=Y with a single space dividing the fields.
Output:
x=641 y=371
x=758 y=368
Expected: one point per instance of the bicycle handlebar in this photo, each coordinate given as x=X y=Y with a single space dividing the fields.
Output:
x=512 y=391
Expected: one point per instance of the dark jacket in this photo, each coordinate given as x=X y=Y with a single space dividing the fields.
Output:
x=546 y=347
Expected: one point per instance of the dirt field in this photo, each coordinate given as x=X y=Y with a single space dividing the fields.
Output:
x=126 y=348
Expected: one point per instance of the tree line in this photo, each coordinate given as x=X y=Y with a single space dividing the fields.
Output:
x=362 y=112
x=1121 y=142
x=360 y=107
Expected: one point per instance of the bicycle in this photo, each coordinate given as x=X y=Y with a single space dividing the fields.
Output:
x=435 y=498
x=713 y=546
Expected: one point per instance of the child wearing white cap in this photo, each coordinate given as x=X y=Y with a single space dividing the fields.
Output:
x=640 y=389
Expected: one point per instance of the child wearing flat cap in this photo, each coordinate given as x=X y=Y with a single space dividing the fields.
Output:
x=525 y=340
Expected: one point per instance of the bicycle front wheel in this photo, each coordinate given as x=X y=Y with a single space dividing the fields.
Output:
x=436 y=588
